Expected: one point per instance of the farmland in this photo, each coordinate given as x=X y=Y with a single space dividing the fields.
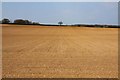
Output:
x=59 y=52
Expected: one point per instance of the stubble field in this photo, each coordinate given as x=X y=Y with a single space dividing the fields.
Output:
x=59 y=52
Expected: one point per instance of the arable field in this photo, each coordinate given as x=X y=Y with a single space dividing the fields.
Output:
x=59 y=52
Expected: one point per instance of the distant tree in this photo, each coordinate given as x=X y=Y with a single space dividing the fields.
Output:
x=35 y=23
x=30 y=22
x=27 y=22
x=60 y=23
x=0 y=21
x=5 y=21
x=21 y=21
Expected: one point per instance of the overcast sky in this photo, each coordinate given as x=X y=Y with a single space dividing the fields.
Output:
x=68 y=12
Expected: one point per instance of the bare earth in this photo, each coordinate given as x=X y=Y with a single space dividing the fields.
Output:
x=59 y=52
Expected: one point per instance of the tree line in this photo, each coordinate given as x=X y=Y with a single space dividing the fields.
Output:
x=27 y=22
x=17 y=21
x=22 y=21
